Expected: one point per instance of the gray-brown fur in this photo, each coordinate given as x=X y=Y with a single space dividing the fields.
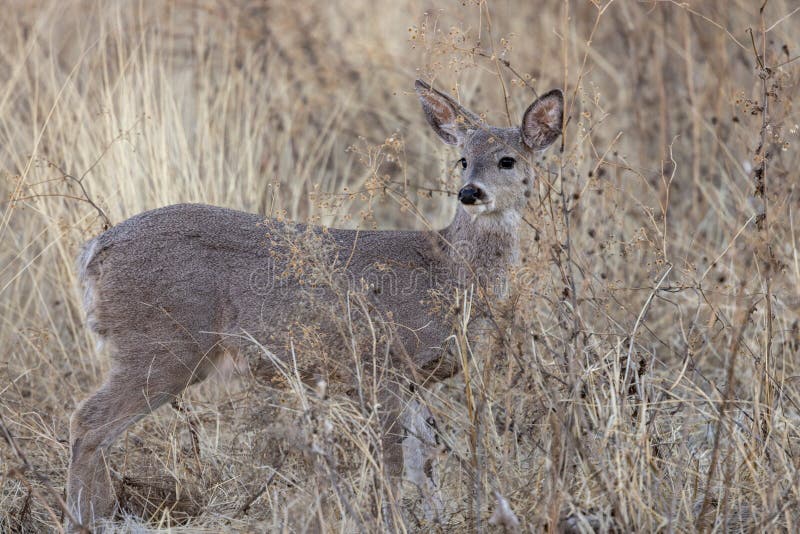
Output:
x=171 y=290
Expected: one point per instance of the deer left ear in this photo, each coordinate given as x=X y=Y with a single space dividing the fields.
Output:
x=541 y=123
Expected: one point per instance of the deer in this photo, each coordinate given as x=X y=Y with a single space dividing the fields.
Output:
x=171 y=291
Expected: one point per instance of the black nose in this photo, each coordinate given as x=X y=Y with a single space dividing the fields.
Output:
x=470 y=194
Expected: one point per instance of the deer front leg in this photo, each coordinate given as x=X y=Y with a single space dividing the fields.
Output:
x=420 y=448
x=409 y=452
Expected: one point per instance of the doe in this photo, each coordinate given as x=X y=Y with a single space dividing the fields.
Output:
x=170 y=291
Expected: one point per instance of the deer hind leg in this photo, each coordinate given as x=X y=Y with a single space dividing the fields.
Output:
x=390 y=478
x=129 y=393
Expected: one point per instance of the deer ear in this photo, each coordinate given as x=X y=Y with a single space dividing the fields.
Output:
x=447 y=117
x=541 y=124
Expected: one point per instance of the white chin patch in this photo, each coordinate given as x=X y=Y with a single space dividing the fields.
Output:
x=477 y=209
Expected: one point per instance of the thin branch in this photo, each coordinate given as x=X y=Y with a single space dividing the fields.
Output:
x=795 y=10
x=685 y=5
x=730 y=381
x=86 y=198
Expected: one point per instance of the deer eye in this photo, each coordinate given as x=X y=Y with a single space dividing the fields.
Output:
x=507 y=163
x=463 y=162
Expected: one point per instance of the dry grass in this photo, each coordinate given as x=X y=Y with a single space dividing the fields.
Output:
x=644 y=379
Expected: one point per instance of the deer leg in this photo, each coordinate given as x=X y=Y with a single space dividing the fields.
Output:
x=392 y=445
x=409 y=452
x=419 y=454
x=127 y=396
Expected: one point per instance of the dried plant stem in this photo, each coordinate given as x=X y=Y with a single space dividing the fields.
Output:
x=701 y=522
x=22 y=477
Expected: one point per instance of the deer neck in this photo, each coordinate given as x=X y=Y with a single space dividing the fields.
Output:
x=485 y=246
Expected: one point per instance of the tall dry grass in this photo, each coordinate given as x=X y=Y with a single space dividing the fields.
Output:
x=644 y=380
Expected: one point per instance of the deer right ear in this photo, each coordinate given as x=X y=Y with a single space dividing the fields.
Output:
x=447 y=117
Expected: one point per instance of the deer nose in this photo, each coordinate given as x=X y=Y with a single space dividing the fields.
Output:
x=470 y=194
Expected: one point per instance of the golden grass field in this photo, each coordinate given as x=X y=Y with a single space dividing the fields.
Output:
x=645 y=381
